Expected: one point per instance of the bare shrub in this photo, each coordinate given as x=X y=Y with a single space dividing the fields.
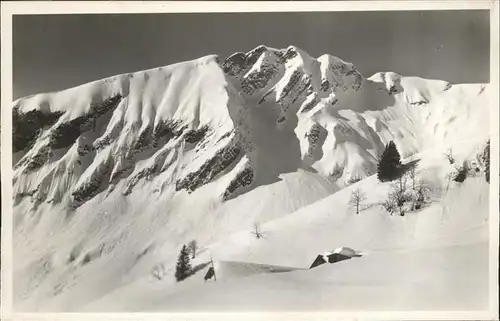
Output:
x=449 y=156
x=412 y=174
x=397 y=197
x=256 y=231
x=357 y=197
x=389 y=206
x=158 y=272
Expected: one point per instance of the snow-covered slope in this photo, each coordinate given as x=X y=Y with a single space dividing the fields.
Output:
x=111 y=177
x=433 y=259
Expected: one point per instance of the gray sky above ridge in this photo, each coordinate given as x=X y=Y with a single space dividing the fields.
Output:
x=60 y=51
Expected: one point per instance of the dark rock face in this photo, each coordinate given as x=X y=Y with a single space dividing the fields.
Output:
x=101 y=143
x=294 y=79
x=196 y=135
x=259 y=79
x=27 y=126
x=226 y=135
x=315 y=136
x=154 y=139
x=310 y=105
x=144 y=173
x=164 y=131
x=144 y=140
x=348 y=78
x=254 y=55
x=395 y=87
x=62 y=136
x=290 y=53
x=65 y=134
x=93 y=186
x=294 y=90
x=325 y=85
x=393 y=90
x=238 y=63
x=420 y=102
x=38 y=160
x=359 y=82
x=298 y=84
x=235 y=64
x=244 y=178
x=221 y=161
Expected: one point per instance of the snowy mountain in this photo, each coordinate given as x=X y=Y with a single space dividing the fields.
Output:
x=113 y=176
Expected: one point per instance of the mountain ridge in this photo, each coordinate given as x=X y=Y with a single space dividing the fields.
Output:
x=299 y=83
x=112 y=177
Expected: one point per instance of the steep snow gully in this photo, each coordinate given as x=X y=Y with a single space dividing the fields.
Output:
x=113 y=176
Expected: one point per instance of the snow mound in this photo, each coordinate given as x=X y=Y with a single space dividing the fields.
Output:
x=228 y=269
x=347 y=251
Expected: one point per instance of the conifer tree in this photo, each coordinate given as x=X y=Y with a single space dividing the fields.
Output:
x=389 y=164
x=183 y=267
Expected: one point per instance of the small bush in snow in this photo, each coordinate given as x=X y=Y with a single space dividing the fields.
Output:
x=450 y=157
x=389 y=206
x=419 y=199
x=256 y=231
x=412 y=174
x=158 y=272
x=397 y=197
x=461 y=175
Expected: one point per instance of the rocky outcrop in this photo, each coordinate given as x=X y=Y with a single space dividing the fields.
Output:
x=145 y=173
x=26 y=127
x=217 y=164
x=196 y=135
x=290 y=53
x=244 y=178
x=158 y=164
x=316 y=137
x=259 y=79
x=35 y=160
x=237 y=64
x=339 y=75
x=166 y=130
x=294 y=89
x=93 y=184
x=311 y=101
x=66 y=133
